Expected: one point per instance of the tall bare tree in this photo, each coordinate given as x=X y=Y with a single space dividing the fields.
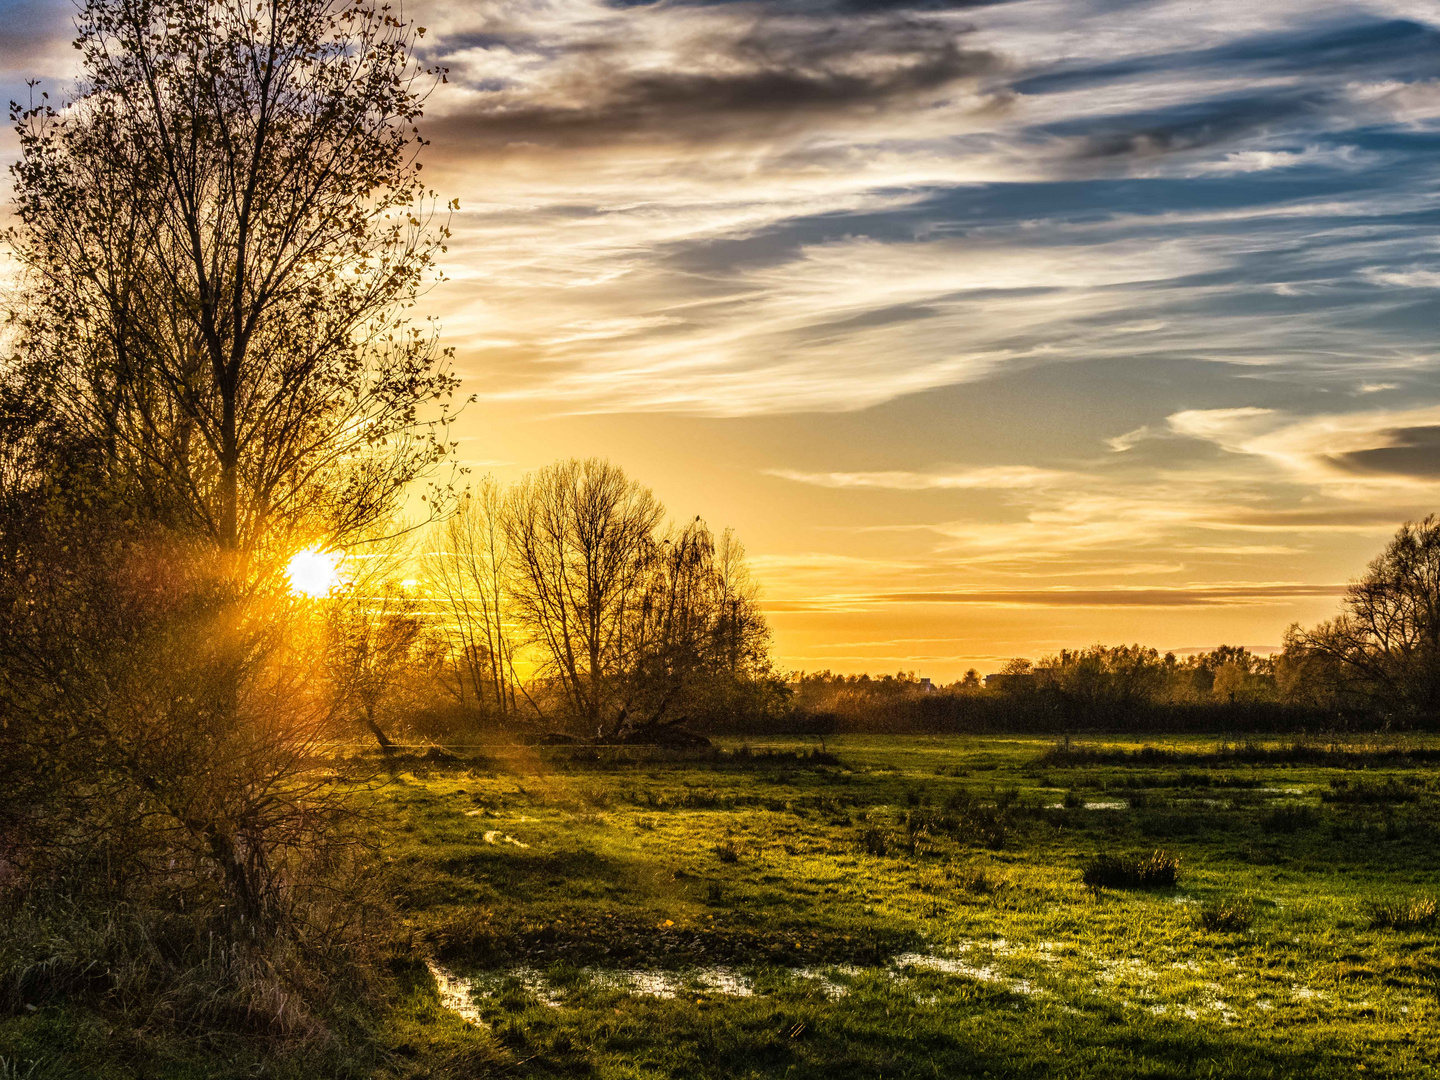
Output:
x=581 y=536
x=642 y=628
x=222 y=234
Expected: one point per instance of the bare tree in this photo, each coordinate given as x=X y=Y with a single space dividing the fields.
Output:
x=379 y=645
x=581 y=535
x=640 y=628
x=1383 y=650
x=741 y=636
x=469 y=567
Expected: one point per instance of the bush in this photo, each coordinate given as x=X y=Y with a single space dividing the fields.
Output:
x=727 y=851
x=1412 y=913
x=1157 y=870
x=1227 y=915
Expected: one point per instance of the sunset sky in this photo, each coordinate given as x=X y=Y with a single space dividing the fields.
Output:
x=993 y=328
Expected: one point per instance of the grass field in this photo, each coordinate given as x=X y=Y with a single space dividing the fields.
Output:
x=915 y=908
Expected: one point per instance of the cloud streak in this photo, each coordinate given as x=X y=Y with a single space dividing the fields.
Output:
x=993 y=478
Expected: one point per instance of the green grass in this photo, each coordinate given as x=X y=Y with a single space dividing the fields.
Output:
x=911 y=908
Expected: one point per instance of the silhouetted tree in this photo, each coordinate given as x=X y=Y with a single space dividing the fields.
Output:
x=220 y=238
x=581 y=535
x=1383 y=650
x=640 y=629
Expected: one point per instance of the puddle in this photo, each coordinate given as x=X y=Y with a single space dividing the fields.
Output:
x=977 y=960
x=947 y=966
x=822 y=980
x=669 y=984
x=536 y=983
x=456 y=993
x=495 y=836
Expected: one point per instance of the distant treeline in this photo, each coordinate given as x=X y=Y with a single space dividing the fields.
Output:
x=1126 y=688
x=1374 y=666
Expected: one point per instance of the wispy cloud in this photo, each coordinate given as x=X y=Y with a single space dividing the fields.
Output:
x=996 y=478
x=1382 y=447
x=1247 y=594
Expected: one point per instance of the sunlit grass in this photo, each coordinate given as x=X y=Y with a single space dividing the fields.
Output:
x=872 y=934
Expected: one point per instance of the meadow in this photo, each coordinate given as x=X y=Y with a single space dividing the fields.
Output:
x=916 y=907
x=903 y=907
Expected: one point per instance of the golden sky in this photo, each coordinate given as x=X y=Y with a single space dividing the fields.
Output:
x=993 y=328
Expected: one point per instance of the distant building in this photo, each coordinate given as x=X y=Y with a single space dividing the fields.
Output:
x=926 y=687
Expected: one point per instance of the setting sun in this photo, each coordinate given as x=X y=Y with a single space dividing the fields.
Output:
x=313 y=573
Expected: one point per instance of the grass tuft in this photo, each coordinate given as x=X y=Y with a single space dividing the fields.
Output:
x=1158 y=870
x=1342 y=790
x=1408 y=913
x=1289 y=819
x=1226 y=915
x=874 y=842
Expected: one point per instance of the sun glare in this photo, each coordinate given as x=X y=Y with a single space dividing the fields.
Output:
x=313 y=573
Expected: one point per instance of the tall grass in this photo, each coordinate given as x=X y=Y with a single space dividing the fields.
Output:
x=1408 y=913
x=1158 y=870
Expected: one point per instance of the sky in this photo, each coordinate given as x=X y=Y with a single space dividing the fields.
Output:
x=992 y=328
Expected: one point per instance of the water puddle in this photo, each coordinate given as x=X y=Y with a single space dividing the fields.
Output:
x=1128 y=979
x=978 y=972
x=670 y=984
x=495 y=836
x=456 y=993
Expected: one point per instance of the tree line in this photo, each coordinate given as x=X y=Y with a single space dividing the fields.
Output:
x=1376 y=664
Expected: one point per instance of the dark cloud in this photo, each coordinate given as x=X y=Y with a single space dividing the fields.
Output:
x=29 y=28
x=1320 y=61
x=1190 y=126
x=1400 y=48
x=764 y=80
x=1413 y=451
